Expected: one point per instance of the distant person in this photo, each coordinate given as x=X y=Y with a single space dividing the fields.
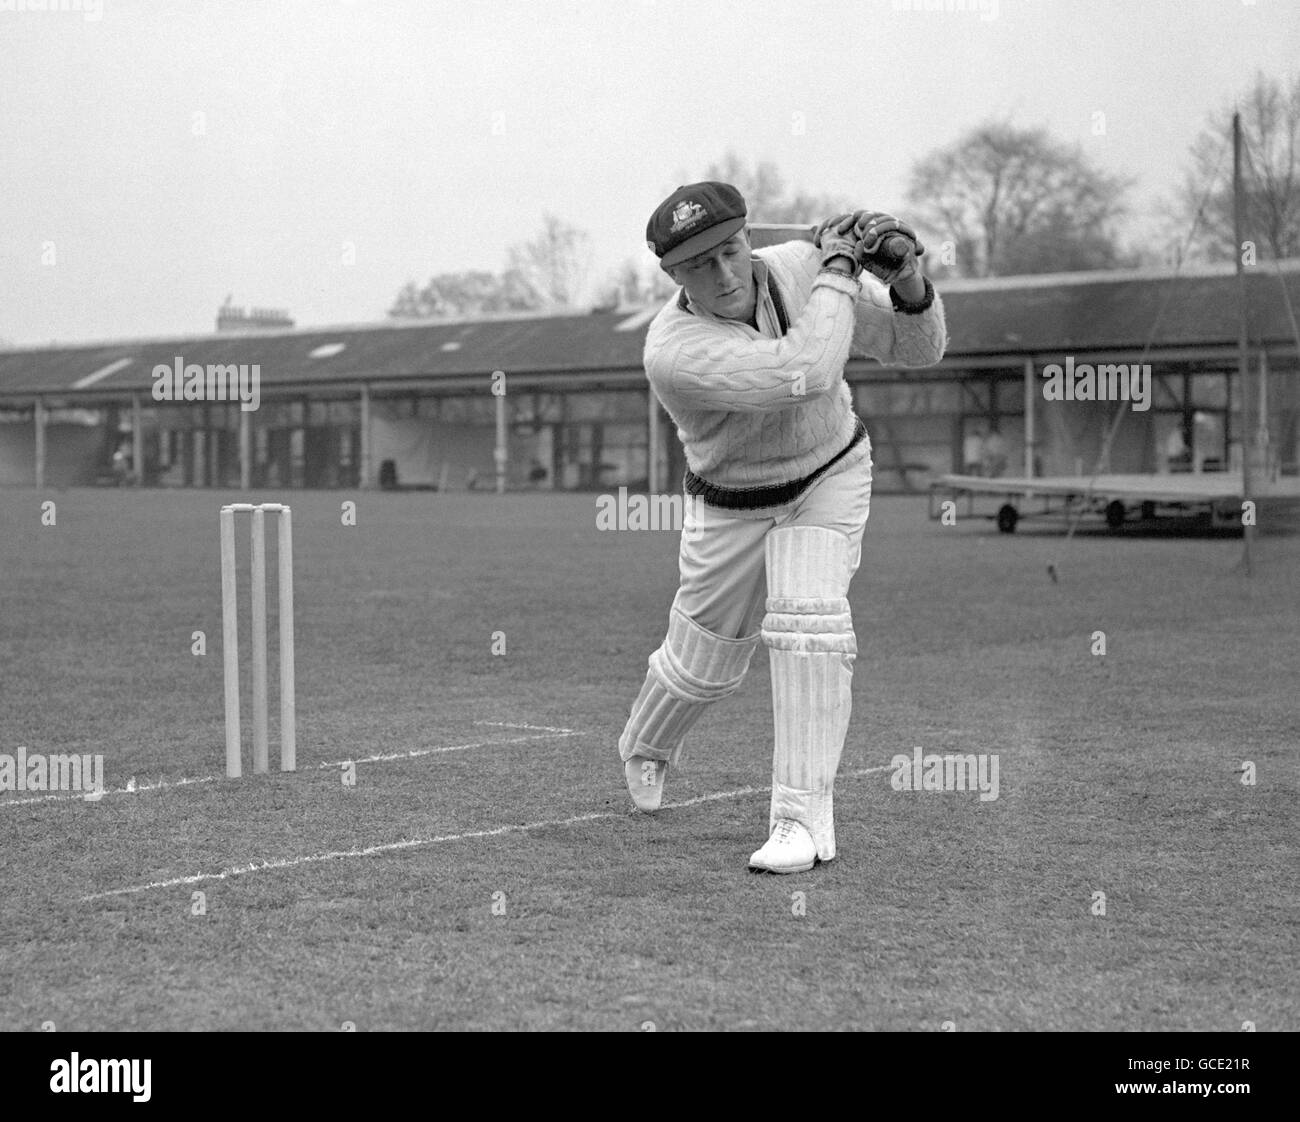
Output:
x=122 y=464
x=1206 y=435
x=995 y=454
x=1175 y=451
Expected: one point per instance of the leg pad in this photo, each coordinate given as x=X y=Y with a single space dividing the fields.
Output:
x=809 y=634
x=691 y=669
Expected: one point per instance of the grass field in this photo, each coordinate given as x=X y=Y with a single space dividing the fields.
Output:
x=379 y=903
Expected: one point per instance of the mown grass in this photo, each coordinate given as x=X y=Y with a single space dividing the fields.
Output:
x=1119 y=774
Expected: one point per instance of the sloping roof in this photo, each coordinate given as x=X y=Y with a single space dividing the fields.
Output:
x=1005 y=316
x=1091 y=311
x=377 y=352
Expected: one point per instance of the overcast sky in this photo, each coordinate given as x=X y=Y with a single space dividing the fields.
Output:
x=317 y=156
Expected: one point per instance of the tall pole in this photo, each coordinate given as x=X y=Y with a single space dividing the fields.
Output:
x=1265 y=457
x=1031 y=394
x=137 y=440
x=38 y=418
x=1243 y=357
x=365 y=437
x=501 y=453
x=245 y=419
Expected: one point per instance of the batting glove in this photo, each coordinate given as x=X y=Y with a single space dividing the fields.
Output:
x=879 y=237
x=840 y=224
x=843 y=246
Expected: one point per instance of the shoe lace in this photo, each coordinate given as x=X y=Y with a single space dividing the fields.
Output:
x=784 y=830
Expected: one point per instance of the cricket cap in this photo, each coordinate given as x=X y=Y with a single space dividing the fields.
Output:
x=694 y=219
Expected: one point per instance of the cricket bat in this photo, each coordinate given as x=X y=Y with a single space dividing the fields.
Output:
x=763 y=234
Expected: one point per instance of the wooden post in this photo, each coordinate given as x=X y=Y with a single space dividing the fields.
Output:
x=245 y=449
x=301 y=479
x=1243 y=350
x=365 y=470
x=1262 y=439
x=202 y=478
x=137 y=440
x=213 y=440
x=39 y=419
x=1031 y=388
x=502 y=453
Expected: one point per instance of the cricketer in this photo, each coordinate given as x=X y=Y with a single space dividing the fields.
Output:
x=748 y=360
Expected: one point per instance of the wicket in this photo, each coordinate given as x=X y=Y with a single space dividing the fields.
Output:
x=230 y=637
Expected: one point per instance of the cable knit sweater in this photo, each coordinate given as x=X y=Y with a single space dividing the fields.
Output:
x=758 y=409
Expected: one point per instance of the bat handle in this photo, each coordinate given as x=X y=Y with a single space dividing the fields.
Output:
x=895 y=246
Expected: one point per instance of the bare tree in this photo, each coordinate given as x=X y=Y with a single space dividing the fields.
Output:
x=547 y=272
x=457 y=295
x=555 y=263
x=631 y=285
x=1009 y=200
x=766 y=194
x=1270 y=129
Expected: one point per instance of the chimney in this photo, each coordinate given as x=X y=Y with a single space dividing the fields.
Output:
x=230 y=318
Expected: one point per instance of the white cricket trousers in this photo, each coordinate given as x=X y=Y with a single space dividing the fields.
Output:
x=782 y=573
x=722 y=560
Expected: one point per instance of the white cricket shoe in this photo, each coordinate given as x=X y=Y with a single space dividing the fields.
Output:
x=645 y=781
x=790 y=849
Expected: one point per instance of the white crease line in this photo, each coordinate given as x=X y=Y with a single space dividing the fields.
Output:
x=133 y=788
x=415 y=753
x=416 y=843
x=129 y=789
x=512 y=725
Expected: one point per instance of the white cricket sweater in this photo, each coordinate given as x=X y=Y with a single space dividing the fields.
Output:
x=757 y=409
